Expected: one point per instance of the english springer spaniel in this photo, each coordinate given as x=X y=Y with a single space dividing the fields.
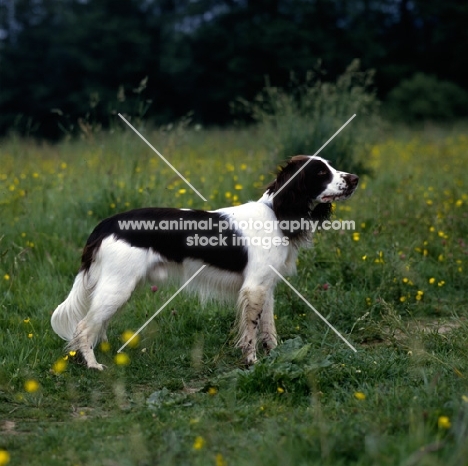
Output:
x=237 y=245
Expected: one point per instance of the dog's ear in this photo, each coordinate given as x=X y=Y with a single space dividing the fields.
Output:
x=292 y=196
x=285 y=173
x=291 y=201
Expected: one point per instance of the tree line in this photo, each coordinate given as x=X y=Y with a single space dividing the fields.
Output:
x=65 y=63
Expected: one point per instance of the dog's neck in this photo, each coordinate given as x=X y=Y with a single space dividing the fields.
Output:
x=308 y=211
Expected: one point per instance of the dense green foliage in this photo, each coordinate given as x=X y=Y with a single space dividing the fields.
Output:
x=68 y=64
x=425 y=97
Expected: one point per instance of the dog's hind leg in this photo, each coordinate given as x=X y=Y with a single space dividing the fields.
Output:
x=107 y=299
x=116 y=271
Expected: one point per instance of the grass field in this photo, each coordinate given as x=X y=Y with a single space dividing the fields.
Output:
x=396 y=287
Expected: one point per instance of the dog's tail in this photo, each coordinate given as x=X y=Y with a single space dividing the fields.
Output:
x=67 y=315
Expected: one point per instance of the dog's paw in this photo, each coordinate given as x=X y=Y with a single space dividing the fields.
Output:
x=96 y=365
x=250 y=360
x=269 y=343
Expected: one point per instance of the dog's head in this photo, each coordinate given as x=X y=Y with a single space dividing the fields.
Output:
x=313 y=179
x=307 y=186
x=331 y=185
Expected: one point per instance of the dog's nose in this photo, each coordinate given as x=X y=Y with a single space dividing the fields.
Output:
x=353 y=180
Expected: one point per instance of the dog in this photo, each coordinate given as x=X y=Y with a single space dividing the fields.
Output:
x=239 y=247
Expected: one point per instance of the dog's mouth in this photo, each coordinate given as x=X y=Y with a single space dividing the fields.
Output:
x=336 y=197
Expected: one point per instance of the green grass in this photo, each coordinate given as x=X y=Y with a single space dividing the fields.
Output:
x=185 y=398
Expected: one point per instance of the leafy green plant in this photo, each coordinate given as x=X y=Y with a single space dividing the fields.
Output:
x=288 y=368
x=301 y=118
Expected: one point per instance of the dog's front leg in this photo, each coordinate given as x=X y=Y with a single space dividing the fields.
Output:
x=250 y=306
x=268 y=337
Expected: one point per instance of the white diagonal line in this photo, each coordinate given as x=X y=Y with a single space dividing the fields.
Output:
x=303 y=166
x=161 y=308
x=162 y=157
x=315 y=310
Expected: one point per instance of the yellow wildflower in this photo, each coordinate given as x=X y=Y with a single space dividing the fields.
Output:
x=379 y=260
x=4 y=457
x=443 y=422
x=122 y=359
x=59 y=366
x=359 y=396
x=105 y=346
x=199 y=443
x=128 y=336
x=31 y=385
x=220 y=460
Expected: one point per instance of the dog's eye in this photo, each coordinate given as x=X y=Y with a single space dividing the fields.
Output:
x=322 y=173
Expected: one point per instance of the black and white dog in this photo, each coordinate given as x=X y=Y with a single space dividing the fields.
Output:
x=236 y=244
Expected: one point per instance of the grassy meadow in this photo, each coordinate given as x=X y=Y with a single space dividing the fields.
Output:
x=396 y=287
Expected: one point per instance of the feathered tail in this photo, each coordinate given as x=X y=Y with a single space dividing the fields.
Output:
x=67 y=315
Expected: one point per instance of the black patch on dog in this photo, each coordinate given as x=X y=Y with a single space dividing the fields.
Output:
x=174 y=245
